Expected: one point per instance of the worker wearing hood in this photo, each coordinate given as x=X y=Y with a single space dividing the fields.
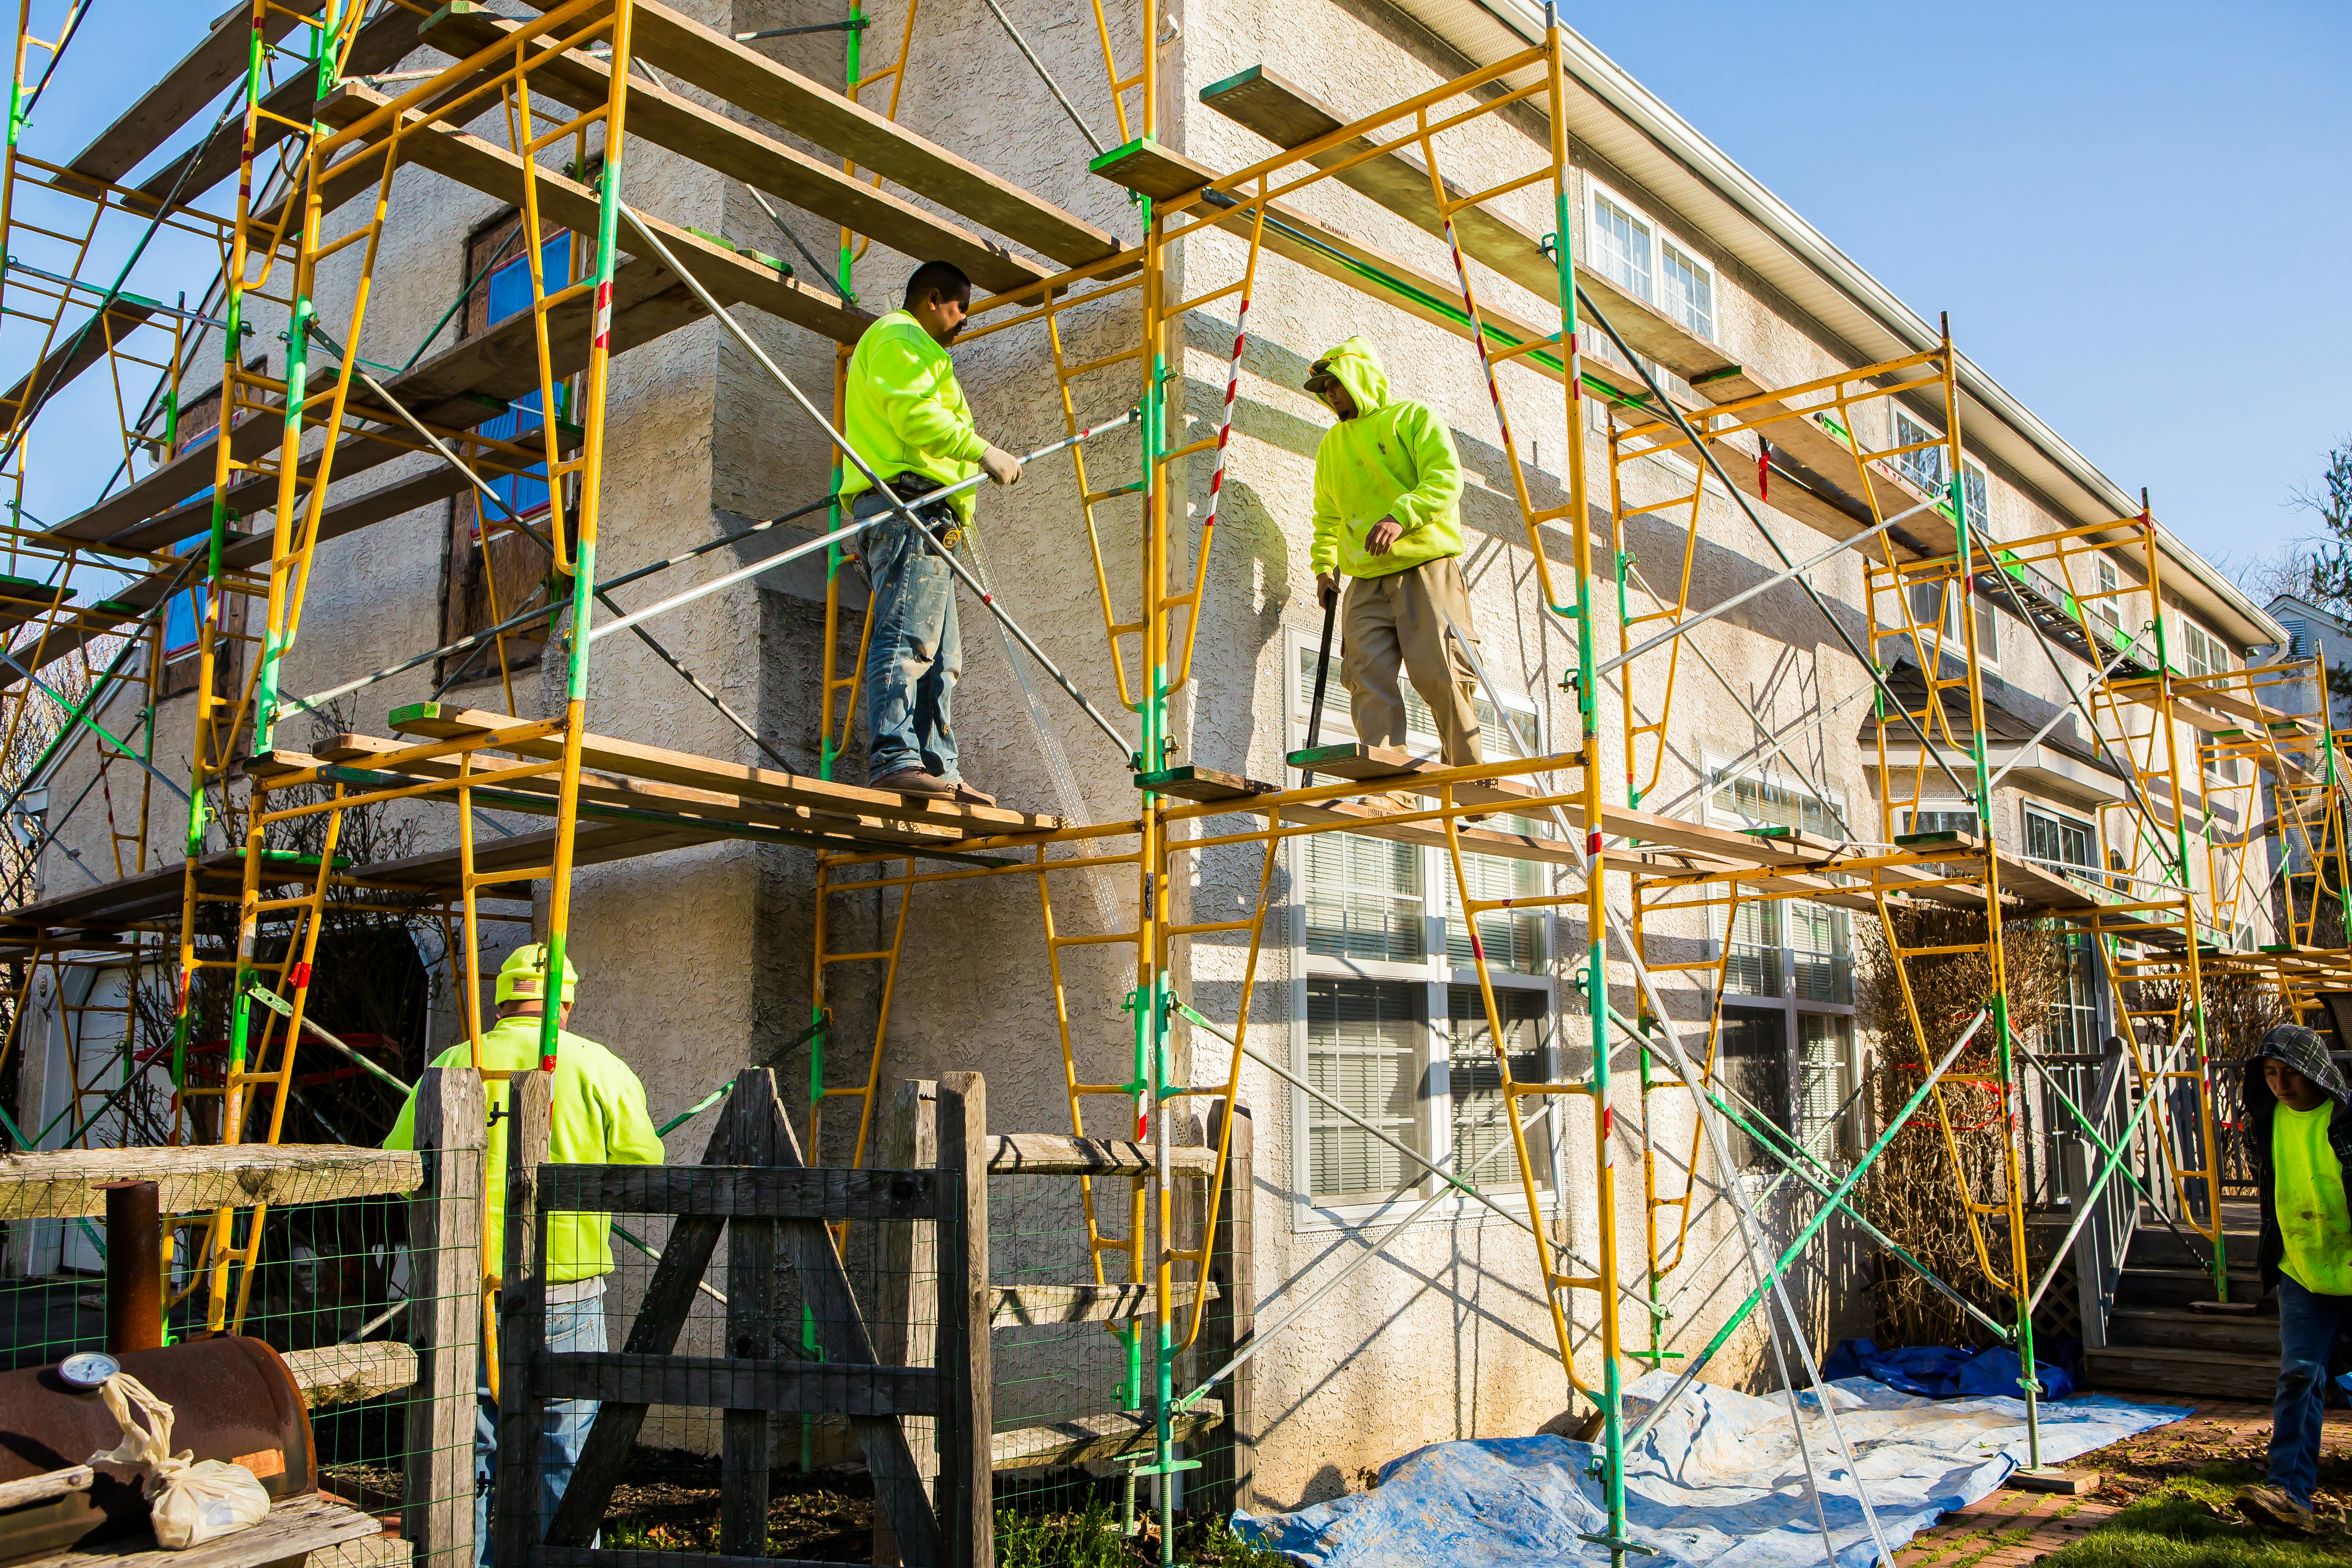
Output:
x=2299 y=1135
x=1388 y=485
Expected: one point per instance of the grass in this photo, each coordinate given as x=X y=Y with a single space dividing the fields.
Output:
x=1092 y=1540
x=2186 y=1521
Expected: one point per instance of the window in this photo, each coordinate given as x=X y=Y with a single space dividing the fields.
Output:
x=1922 y=467
x=1937 y=604
x=1825 y=1080
x=2060 y=841
x=1364 y=1049
x=1977 y=494
x=1363 y=899
x=1689 y=292
x=2073 y=1025
x=1396 y=1028
x=1751 y=1063
x=1963 y=820
x=491 y=578
x=1629 y=251
x=1475 y=1079
x=2109 y=605
x=1820 y=946
x=1811 y=940
x=1621 y=247
x=2201 y=652
x=183 y=613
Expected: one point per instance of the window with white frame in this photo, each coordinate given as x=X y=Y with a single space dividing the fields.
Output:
x=1959 y=820
x=1825 y=1080
x=2073 y=1024
x=1794 y=948
x=1976 y=491
x=2058 y=840
x=1397 y=1029
x=1629 y=250
x=1363 y=1049
x=2201 y=652
x=1937 y=603
x=2109 y=605
x=1923 y=467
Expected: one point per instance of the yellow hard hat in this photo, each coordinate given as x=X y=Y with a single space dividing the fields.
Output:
x=518 y=976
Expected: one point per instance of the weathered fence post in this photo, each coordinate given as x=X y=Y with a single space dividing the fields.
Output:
x=444 y=1272
x=522 y=1322
x=756 y=1119
x=905 y=1260
x=967 y=1510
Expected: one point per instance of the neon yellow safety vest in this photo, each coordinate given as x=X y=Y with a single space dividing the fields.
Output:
x=598 y=1117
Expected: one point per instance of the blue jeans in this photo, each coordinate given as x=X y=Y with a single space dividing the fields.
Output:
x=916 y=653
x=564 y=1425
x=2308 y=1324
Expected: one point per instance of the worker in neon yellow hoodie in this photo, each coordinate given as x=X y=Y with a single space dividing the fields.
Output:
x=1387 y=484
x=904 y=412
x=598 y=1117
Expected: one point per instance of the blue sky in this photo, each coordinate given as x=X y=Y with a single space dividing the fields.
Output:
x=2137 y=216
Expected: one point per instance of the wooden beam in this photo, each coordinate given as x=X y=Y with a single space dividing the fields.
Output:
x=445 y=720
x=200 y=76
x=741 y=76
x=737 y=1385
x=732 y=277
x=735 y=149
x=967 y=1507
x=445 y=1230
x=745 y=1434
x=57 y=1183
x=800 y=1192
x=42 y=1488
x=906 y=1276
x=347 y=1375
x=515 y=1527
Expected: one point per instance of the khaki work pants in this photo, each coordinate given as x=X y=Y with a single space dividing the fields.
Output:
x=1392 y=618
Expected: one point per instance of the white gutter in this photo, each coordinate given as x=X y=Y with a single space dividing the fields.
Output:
x=1487 y=30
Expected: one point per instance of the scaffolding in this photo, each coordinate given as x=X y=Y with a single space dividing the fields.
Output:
x=1872 y=457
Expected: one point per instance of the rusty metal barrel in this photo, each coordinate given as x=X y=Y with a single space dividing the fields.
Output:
x=232 y=1399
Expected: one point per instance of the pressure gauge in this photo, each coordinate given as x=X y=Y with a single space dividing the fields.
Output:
x=90 y=1369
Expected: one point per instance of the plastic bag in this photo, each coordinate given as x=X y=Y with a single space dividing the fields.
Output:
x=189 y=1504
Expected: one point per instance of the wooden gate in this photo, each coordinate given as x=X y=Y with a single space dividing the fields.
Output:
x=751 y=1182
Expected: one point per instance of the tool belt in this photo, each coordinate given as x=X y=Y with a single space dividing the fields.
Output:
x=912 y=488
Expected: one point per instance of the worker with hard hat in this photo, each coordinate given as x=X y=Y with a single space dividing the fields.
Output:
x=1388 y=490
x=598 y=1117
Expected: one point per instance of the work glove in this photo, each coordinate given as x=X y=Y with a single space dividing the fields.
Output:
x=1001 y=465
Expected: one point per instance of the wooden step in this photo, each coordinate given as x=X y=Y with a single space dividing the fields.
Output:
x=738 y=74
x=738 y=151
x=2155 y=1246
x=2179 y=1328
x=2151 y=1369
x=2177 y=1287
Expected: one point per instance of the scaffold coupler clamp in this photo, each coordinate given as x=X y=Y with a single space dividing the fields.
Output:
x=1615 y=1543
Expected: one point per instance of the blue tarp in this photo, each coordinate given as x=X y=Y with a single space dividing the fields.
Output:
x=1942 y=1372
x=1718 y=1482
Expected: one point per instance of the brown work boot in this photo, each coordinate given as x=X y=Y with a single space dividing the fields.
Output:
x=967 y=796
x=2271 y=1505
x=915 y=782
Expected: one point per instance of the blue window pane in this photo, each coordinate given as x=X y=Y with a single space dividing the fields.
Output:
x=509 y=294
